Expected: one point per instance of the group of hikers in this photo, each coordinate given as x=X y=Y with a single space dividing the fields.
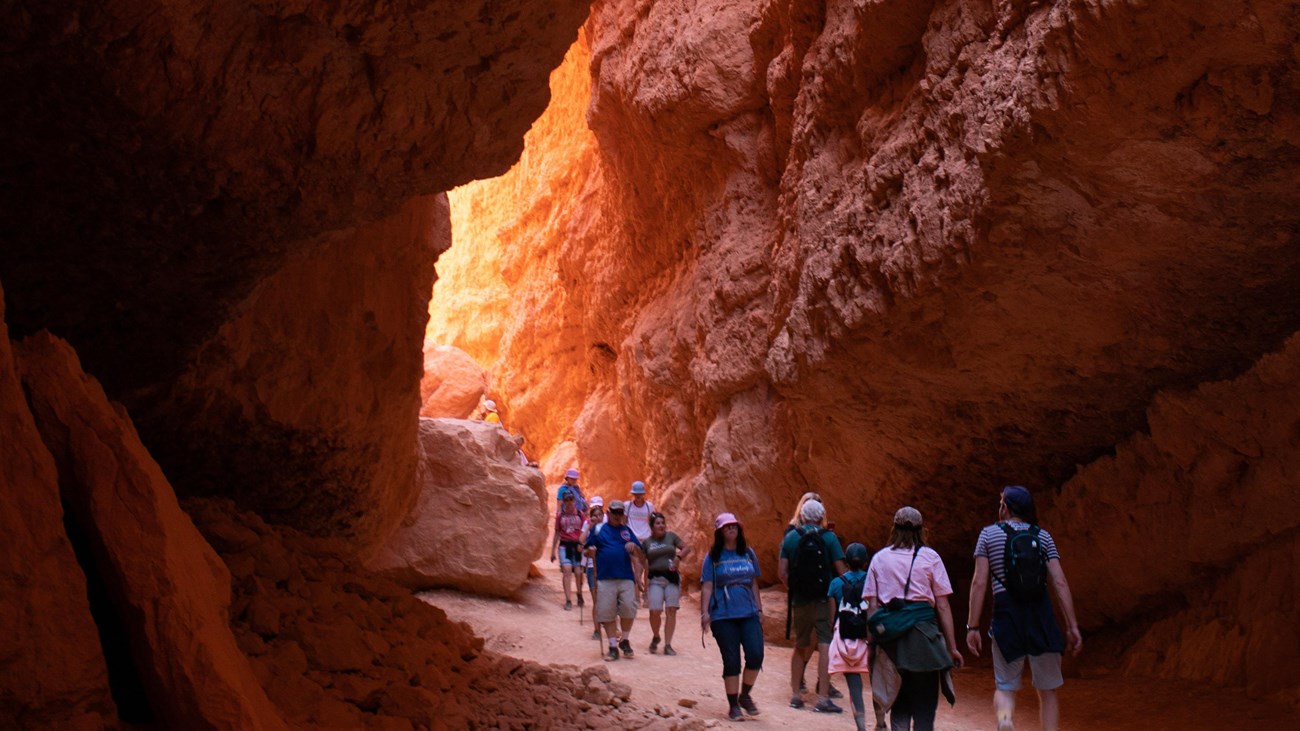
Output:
x=882 y=620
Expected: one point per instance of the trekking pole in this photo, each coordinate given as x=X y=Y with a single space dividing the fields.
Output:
x=595 y=579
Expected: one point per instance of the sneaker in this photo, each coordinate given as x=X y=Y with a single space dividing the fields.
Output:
x=749 y=705
x=835 y=693
x=613 y=654
x=796 y=702
x=668 y=650
x=735 y=714
x=654 y=645
x=626 y=647
x=826 y=705
x=568 y=605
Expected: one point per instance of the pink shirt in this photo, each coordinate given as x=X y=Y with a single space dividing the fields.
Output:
x=888 y=575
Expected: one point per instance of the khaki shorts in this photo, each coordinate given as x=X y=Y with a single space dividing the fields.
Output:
x=615 y=598
x=664 y=592
x=805 y=618
x=1045 y=668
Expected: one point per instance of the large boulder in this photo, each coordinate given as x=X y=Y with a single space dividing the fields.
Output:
x=169 y=591
x=453 y=383
x=52 y=671
x=480 y=519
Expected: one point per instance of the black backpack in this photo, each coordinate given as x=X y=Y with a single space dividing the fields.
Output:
x=853 y=611
x=810 y=571
x=1024 y=562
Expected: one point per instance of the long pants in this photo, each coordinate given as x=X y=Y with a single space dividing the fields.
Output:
x=731 y=635
x=918 y=697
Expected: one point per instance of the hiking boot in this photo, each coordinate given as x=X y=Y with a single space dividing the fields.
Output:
x=796 y=702
x=668 y=650
x=626 y=647
x=835 y=693
x=747 y=703
x=568 y=605
x=612 y=655
x=735 y=714
x=654 y=645
x=826 y=705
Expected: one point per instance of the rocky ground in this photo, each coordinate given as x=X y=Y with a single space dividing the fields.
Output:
x=533 y=625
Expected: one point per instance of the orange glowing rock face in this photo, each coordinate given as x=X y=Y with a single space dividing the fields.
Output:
x=906 y=253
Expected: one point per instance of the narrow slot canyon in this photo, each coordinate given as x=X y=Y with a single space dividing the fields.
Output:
x=262 y=265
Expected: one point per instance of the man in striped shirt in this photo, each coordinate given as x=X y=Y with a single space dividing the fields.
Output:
x=1021 y=628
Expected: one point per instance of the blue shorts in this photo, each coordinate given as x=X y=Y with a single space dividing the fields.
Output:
x=570 y=555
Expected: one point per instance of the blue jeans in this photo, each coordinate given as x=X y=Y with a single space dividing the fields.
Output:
x=731 y=635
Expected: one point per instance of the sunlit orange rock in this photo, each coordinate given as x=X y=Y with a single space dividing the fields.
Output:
x=52 y=671
x=479 y=522
x=453 y=384
x=167 y=587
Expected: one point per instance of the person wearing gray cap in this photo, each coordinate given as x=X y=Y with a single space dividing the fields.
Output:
x=810 y=557
x=910 y=621
x=618 y=556
x=1023 y=562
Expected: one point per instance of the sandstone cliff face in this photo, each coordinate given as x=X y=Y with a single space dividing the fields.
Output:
x=54 y=669
x=167 y=159
x=896 y=252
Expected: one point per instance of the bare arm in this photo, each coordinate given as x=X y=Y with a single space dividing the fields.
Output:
x=556 y=540
x=706 y=593
x=783 y=571
x=1061 y=588
x=944 y=609
x=979 y=585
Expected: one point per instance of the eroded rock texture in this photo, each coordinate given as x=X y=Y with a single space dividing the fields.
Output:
x=53 y=668
x=479 y=521
x=165 y=161
x=167 y=588
x=452 y=384
x=897 y=252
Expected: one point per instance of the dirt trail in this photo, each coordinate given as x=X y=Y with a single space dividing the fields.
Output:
x=533 y=625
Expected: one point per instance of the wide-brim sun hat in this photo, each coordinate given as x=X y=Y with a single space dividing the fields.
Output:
x=638 y=488
x=725 y=519
x=490 y=405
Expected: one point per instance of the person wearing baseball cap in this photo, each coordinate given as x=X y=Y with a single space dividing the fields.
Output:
x=570 y=484
x=619 y=557
x=732 y=608
x=908 y=577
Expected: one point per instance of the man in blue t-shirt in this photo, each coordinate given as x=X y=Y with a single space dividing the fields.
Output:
x=618 y=580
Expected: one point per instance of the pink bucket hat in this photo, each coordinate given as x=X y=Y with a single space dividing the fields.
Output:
x=725 y=519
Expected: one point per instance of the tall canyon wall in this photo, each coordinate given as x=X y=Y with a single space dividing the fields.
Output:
x=906 y=252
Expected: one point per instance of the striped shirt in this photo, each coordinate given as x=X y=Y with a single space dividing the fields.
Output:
x=992 y=544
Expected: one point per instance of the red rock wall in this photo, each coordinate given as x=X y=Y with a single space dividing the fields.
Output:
x=896 y=252
x=52 y=671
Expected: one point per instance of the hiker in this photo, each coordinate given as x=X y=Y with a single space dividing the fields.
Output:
x=795 y=521
x=810 y=557
x=490 y=414
x=618 y=556
x=663 y=549
x=913 y=633
x=1023 y=562
x=850 y=650
x=570 y=484
x=568 y=534
x=595 y=519
x=639 y=511
x=732 y=608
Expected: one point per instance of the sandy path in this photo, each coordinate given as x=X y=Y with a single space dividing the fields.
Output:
x=533 y=625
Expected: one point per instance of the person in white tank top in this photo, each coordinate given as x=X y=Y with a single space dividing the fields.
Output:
x=638 y=511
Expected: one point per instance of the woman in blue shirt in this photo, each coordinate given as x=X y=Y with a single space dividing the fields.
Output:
x=731 y=605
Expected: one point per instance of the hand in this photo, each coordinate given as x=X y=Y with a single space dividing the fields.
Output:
x=957 y=660
x=704 y=622
x=974 y=641
x=552 y=556
x=1075 y=640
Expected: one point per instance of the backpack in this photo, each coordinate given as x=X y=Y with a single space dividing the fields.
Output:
x=853 y=611
x=810 y=571
x=1024 y=564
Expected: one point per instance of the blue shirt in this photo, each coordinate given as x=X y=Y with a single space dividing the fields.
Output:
x=612 y=559
x=839 y=583
x=733 y=584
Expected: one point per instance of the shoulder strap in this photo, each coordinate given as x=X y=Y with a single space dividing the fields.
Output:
x=907 y=586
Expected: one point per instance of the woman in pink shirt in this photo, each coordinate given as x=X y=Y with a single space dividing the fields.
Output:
x=908 y=577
